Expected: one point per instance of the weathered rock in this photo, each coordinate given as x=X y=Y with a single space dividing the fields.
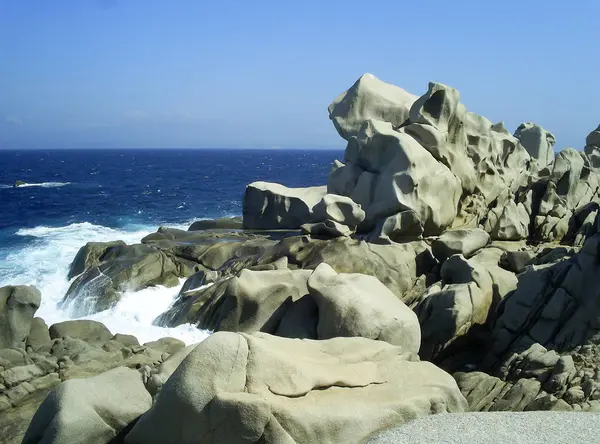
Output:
x=571 y=184
x=254 y=301
x=227 y=223
x=340 y=209
x=273 y=206
x=400 y=227
x=126 y=340
x=166 y=345
x=231 y=389
x=396 y=266
x=352 y=305
x=369 y=98
x=465 y=242
x=92 y=254
x=467 y=296
x=94 y=409
x=555 y=306
x=395 y=173
x=163 y=372
x=439 y=147
x=85 y=330
x=327 y=228
x=538 y=142
x=39 y=337
x=18 y=305
x=516 y=261
x=592 y=148
x=122 y=267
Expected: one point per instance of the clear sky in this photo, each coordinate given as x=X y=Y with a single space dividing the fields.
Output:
x=196 y=73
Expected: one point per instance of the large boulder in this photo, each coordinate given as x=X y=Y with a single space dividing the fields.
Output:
x=467 y=296
x=555 y=306
x=274 y=206
x=395 y=173
x=369 y=98
x=18 y=305
x=592 y=147
x=400 y=227
x=238 y=388
x=397 y=266
x=223 y=223
x=85 y=330
x=92 y=410
x=359 y=305
x=254 y=301
x=571 y=184
x=448 y=166
x=339 y=210
x=114 y=268
x=466 y=242
x=538 y=142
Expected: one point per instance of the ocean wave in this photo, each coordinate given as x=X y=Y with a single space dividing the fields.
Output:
x=43 y=185
x=82 y=231
x=44 y=262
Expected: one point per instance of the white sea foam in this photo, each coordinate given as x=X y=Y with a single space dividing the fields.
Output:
x=45 y=184
x=44 y=262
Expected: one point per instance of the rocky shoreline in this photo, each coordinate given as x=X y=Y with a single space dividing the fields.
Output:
x=447 y=267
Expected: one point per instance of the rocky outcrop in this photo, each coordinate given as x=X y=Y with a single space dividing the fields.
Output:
x=592 y=148
x=235 y=388
x=18 y=305
x=397 y=266
x=104 y=270
x=95 y=409
x=538 y=142
x=274 y=206
x=319 y=304
x=420 y=166
x=224 y=223
x=369 y=99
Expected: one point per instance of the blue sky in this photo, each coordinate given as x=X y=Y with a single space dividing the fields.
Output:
x=195 y=73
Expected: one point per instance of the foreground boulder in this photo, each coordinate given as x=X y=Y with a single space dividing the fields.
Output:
x=70 y=351
x=273 y=206
x=238 y=388
x=17 y=307
x=92 y=410
x=358 y=305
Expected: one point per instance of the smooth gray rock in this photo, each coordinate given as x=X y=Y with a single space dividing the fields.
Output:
x=18 y=305
x=235 y=223
x=358 y=305
x=85 y=330
x=238 y=388
x=340 y=209
x=400 y=227
x=273 y=206
x=538 y=142
x=465 y=242
x=92 y=410
x=327 y=228
x=369 y=98
x=39 y=337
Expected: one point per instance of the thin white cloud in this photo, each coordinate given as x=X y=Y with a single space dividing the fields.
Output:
x=14 y=120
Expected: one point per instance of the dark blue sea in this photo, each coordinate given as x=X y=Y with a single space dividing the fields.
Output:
x=76 y=196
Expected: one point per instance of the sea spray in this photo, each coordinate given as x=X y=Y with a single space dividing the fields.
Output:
x=44 y=262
